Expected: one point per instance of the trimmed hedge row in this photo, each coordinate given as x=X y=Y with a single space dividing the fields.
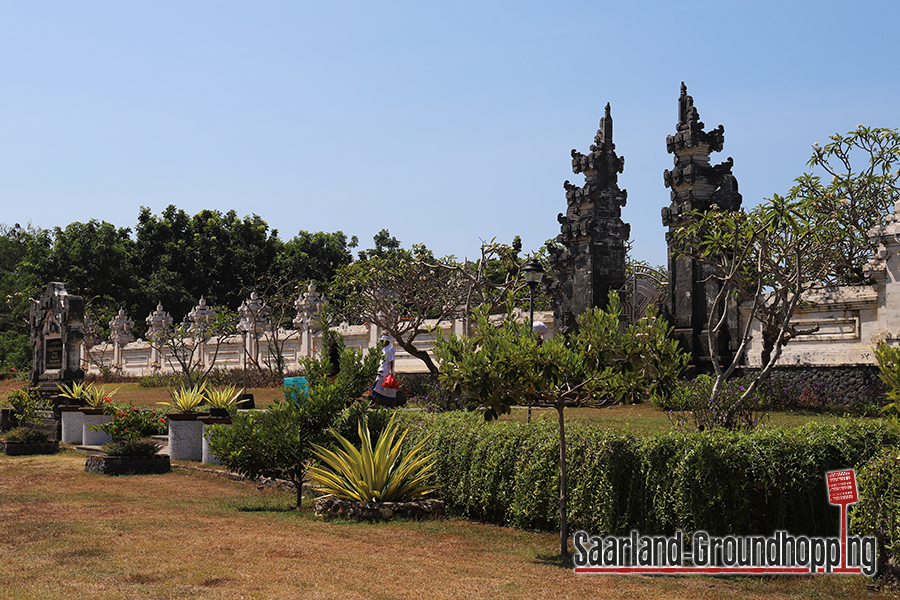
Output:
x=721 y=482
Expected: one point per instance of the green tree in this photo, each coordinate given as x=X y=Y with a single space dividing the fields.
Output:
x=770 y=257
x=505 y=364
x=277 y=442
x=180 y=258
x=399 y=290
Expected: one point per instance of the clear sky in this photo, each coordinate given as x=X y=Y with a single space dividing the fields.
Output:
x=447 y=123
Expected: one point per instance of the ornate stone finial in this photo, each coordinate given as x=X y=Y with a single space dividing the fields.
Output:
x=254 y=315
x=201 y=319
x=120 y=329
x=308 y=306
x=158 y=322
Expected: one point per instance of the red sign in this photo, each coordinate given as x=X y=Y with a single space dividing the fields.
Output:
x=842 y=487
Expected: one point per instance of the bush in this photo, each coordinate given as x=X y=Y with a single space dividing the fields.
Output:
x=423 y=390
x=25 y=403
x=878 y=510
x=26 y=434
x=131 y=447
x=131 y=423
x=722 y=482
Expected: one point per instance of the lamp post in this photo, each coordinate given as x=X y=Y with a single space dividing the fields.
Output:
x=533 y=273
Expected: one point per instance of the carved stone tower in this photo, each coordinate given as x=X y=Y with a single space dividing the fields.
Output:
x=592 y=233
x=695 y=185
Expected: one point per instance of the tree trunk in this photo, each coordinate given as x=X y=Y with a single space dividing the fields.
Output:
x=420 y=354
x=563 y=485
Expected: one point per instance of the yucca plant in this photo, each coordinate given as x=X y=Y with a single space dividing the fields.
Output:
x=97 y=397
x=222 y=398
x=187 y=399
x=377 y=474
x=73 y=391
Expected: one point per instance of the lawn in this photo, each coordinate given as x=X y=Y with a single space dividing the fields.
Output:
x=189 y=534
x=639 y=419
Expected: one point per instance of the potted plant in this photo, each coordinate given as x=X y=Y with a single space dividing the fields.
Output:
x=26 y=438
x=70 y=415
x=97 y=411
x=374 y=483
x=128 y=452
x=219 y=401
x=185 y=428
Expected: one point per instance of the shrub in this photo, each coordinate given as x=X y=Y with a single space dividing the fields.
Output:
x=878 y=510
x=131 y=447
x=25 y=403
x=131 y=423
x=722 y=482
x=379 y=473
x=26 y=434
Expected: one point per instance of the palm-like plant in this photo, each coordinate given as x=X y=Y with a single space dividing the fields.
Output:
x=376 y=474
x=222 y=398
x=95 y=397
x=73 y=391
x=187 y=399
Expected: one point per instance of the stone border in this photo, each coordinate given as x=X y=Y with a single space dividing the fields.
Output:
x=14 y=448
x=103 y=464
x=331 y=507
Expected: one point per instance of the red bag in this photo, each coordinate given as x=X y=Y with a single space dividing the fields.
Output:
x=390 y=382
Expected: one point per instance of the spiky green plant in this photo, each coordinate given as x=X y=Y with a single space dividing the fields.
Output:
x=223 y=397
x=187 y=399
x=378 y=474
x=73 y=391
x=97 y=397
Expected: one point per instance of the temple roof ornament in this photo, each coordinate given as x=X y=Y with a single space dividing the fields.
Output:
x=120 y=329
x=158 y=322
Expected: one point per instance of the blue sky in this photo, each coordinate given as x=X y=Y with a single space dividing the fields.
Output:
x=447 y=123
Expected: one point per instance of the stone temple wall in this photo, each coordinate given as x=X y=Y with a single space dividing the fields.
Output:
x=839 y=327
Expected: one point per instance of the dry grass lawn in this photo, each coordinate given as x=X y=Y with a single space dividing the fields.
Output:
x=68 y=534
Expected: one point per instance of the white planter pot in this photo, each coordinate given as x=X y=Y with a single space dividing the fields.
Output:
x=94 y=438
x=72 y=425
x=185 y=437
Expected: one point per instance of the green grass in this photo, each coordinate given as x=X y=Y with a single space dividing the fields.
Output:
x=646 y=419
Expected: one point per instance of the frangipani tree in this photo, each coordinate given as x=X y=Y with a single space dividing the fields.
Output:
x=769 y=257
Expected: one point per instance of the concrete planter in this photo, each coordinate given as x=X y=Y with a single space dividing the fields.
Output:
x=186 y=436
x=25 y=448
x=208 y=457
x=94 y=416
x=72 y=429
x=103 y=464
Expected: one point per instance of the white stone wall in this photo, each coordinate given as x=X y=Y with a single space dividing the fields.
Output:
x=138 y=358
x=851 y=320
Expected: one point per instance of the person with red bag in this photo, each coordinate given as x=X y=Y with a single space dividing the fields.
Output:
x=382 y=393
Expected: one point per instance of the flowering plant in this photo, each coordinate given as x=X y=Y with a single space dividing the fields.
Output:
x=130 y=424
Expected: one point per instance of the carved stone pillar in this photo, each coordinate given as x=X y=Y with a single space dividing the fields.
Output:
x=695 y=185
x=591 y=262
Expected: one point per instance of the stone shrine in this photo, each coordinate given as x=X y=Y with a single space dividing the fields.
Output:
x=695 y=185
x=56 y=320
x=592 y=261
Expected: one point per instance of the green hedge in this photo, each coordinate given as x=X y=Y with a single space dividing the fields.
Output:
x=724 y=483
x=878 y=510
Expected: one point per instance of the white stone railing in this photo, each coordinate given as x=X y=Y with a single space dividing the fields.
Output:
x=138 y=358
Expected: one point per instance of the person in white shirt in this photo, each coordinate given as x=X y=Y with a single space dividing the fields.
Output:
x=380 y=394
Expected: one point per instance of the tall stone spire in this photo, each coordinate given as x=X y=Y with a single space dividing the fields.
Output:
x=695 y=185
x=591 y=262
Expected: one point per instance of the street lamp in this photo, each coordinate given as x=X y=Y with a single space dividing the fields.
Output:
x=533 y=273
